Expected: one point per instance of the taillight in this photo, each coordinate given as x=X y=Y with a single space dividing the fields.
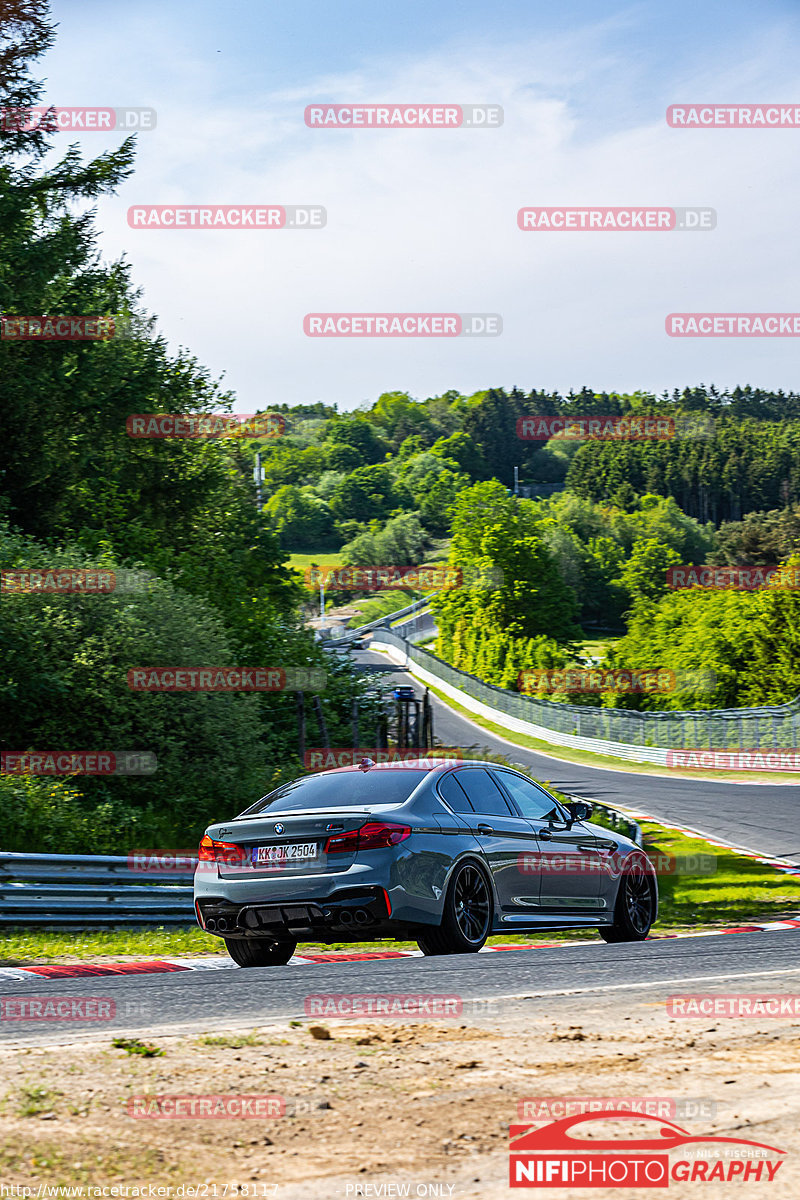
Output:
x=342 y=843
x=221 y=852
x=375 y=835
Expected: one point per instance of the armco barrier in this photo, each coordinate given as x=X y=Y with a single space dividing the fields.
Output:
x=89 y=891
x=620 y=733
x=352 y=634
x=96 y=891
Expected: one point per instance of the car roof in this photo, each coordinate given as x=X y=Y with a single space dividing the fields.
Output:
x=428 y=763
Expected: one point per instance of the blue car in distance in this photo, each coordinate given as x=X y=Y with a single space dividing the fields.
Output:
x=442 y=853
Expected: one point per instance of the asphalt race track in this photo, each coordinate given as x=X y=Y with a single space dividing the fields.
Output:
x=549 y=982
x=757 y=816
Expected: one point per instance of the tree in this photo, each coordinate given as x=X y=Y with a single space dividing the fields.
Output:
x=460 y=448
x=762 y=538
x=491 y=422
x=298 y=517
x=72 y=478
x=644 y=575
x=508 y=600
x=365 y=494
x=359 y=433
x=68 y=469
x=399 y=543
x=400 y=417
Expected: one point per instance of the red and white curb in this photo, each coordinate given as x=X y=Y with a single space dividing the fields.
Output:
x=162 y=966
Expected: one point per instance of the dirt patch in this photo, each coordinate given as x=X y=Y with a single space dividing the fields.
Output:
x=425 y=1104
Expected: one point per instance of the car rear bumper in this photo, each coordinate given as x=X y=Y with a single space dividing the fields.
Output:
x=348 y=914
x=413 y=883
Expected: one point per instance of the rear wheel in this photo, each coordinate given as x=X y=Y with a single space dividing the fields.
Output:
x=467 y=915
x=259 y=952
x=633 y=913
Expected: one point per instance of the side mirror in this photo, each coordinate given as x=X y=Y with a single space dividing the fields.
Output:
x=579 y=810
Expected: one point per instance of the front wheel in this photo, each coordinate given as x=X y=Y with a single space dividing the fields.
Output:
x=633 y=912
x=259 y=952
x=467 y=915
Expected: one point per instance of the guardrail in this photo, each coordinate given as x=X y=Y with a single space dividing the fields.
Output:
x=98 y=891
x=90 y=891
x=621 y=733
x=409 y=629
x=380 y=622
x=617 y=820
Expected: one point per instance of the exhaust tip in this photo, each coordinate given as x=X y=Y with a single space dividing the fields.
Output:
x=362 y=917
x=346 y=917
x=211 y=923
x=222 y=923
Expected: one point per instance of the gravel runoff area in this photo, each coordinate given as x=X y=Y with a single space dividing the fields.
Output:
x=391 y=1107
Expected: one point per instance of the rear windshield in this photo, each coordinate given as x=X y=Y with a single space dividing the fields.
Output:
x=337 y=791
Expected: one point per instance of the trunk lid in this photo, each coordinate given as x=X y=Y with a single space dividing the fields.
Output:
x=288 y=830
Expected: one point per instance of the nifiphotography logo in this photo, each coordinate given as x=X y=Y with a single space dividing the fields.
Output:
x=578 y=1152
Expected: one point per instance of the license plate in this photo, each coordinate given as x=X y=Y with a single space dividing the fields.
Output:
x=281 y=856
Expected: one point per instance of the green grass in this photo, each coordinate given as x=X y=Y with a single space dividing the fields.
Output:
x=135 y=1046
x=234 y=1041
x=383 y=604
x=322 y=558
x=23 y=946
x=597 y=645
x=36 y=1100
x=741 y=891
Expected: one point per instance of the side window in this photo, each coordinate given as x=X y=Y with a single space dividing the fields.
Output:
x=484 y=794
x=534 y=802
x=453 y=793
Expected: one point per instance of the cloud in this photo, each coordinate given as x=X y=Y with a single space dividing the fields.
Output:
x=426 y=220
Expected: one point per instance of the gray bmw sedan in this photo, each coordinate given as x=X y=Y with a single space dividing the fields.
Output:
x=443 y=853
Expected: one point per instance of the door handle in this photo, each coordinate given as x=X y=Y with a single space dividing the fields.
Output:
x=485 y=829
x=580 y=847
x=545 y=834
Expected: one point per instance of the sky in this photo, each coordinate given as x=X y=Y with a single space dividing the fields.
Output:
x=426 y=220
